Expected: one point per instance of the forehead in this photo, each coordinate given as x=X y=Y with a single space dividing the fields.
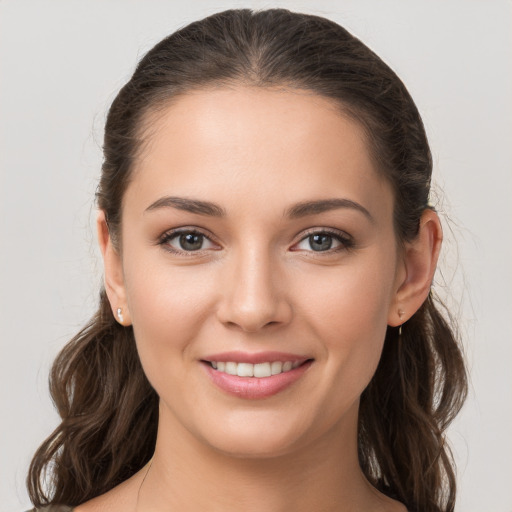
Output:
x=255 y=141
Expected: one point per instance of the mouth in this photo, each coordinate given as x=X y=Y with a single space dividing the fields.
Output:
x=257 y=370
x=255 y=376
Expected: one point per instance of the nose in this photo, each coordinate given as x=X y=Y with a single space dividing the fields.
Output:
x=254 y=294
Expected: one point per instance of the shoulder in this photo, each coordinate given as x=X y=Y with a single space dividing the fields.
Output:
x=52 y=508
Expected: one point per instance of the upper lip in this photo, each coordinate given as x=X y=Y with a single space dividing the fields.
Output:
x=255 y=358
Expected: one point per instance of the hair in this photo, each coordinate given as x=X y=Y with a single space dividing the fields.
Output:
x=109 y=410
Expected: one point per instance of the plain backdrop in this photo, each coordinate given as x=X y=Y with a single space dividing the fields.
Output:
x=61 y=63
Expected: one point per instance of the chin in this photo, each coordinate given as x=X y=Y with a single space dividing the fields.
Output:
x=254 y=438
x=255 y=446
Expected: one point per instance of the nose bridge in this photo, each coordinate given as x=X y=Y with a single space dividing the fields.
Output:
x=254 y=296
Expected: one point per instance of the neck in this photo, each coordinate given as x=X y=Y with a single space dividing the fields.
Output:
x=322 y=475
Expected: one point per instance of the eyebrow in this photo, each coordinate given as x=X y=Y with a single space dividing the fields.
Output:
x=323 y=205
x=188 y=205
x=298 y=210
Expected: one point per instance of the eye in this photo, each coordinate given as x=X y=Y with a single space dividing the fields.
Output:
x=187 y=241
x=325 y=241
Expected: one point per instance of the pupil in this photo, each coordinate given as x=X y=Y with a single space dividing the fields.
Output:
x=320 y=242
x=191 y=241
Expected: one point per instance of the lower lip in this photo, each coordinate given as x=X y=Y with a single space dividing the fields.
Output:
x=255 y=388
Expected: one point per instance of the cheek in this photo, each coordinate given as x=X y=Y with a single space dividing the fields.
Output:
x=168 y=307
x=348 y=311
x=353 y=299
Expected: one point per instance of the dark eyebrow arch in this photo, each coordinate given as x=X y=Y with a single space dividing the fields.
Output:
x=188 y=205
x=323 y=205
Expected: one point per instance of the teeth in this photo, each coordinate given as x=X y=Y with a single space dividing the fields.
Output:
x=262 y=370
x=244 y=369
x=231 y=368
x=254 y=370
x=276 y=367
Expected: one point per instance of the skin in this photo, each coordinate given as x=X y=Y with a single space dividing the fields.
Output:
x=256 y=285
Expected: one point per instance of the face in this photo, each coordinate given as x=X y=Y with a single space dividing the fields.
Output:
x=257 y=236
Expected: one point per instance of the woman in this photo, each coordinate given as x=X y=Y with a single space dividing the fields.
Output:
x=267 y=338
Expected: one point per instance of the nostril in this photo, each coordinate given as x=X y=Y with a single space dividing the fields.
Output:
x=253 y=306
x=251 y=326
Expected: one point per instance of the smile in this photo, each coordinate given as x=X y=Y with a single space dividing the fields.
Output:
x=255 y=376
x=259 y=370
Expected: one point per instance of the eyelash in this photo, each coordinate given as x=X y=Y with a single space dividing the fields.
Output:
x=175 y=233
x=346 y=241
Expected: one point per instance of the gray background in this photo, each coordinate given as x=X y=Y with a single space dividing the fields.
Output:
x=61 y=62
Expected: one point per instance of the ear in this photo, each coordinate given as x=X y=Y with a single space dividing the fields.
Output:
x=418 y=267
x=113 y=269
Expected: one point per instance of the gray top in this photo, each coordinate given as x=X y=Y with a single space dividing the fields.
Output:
x=52 y=508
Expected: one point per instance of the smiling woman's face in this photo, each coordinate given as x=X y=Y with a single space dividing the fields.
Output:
x=257 y=231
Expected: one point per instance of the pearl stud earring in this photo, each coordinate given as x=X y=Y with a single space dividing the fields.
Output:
x=120 y=315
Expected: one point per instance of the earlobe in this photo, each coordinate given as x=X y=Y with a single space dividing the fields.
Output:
x=420 y=261
x=113 y=271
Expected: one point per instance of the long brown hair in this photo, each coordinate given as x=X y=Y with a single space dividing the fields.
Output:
x=109 y=410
